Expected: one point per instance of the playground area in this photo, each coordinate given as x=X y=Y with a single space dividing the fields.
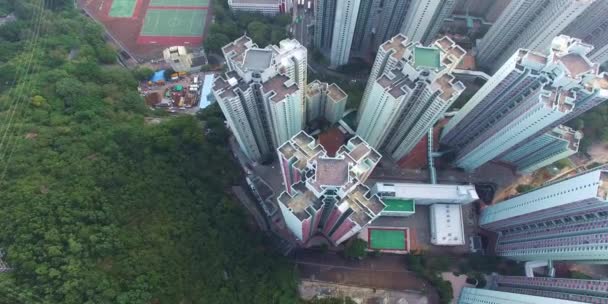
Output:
x=122 y=8
x=180 y=3
x=168 y=25
x=143 y=28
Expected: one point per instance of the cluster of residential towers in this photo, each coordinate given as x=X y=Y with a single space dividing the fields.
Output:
x=517 y=118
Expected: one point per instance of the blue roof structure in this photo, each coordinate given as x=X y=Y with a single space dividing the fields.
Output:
x=207 y=85
x=158 y=76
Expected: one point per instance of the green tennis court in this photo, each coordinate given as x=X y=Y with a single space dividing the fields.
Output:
x=174 y=22
x=394 y=204
x=122 y=8
x=179 y=2
x=387 y=239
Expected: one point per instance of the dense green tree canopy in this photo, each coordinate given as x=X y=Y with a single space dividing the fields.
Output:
x=97 y=206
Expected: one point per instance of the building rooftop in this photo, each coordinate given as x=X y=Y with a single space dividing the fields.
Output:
x=447 y=225
x=303 y=148
x=448 y=88
x=237 y=48
x=364 y=205
x=281 y=85
x=575 y=64
x=445 y=193
x=398 y=44
x=572 y=136
x=331 y=171
x=427 y=57
x=258 y=59
x=400 y=205
x=300 y=201
x=335 y=92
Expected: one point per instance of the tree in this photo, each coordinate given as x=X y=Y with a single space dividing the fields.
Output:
x=259 y=32
x=356 y=249
x=143 y=73
x=215 y=42
x=100 y=207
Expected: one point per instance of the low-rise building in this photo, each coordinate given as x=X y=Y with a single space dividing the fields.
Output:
x=178 y=57
x=266 y=7
x=326 y=101
x=427 y=194
x=446 y=225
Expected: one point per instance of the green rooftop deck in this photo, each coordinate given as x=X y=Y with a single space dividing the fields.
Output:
x=383 y=239
x=427 y=57
x=398 y=205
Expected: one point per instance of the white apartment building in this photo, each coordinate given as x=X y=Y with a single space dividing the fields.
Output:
x=563 y=220
x=424 y=19
x=377 y=22
x=557 y=144
x=401 y=104
x=335 y=22
x=325 y=101
x=592 y=27
x=486 y=296
x=344 y=28
x=528 y=24
x=579 y=290
x=262 y=94
x=522 y=101
x=542 y=109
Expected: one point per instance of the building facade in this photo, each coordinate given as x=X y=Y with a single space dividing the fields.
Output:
x=592 y=27
x=266 y=7
x=557 y=144
x=377 y=22
x=564 y=220
x=262 y=95
x=424 y=19
x=400 y=105
x=326 y=101
x=529 y=95
x=486 y=296
x=335 y=27
x=325 y=195
x=583 y=291
x=528 y=24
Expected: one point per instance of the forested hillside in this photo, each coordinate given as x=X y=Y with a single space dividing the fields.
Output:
x=98 y=206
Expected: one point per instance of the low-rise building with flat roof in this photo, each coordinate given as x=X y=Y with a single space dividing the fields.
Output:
x=266 y=7
x=427 y=194
x=446 y=225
